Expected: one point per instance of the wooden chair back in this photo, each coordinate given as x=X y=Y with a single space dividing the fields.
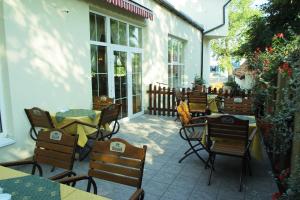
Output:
x=197 y=97
x=200 y=88
x=227 y=126
x=118 y=161
x=56 y=148
x=39 y=118
x=232 y=106
x=100 y=102
x=109 y=114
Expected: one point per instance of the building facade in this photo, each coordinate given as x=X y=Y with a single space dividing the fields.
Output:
x=59 y=54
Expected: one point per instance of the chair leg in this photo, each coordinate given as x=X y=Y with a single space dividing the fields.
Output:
x=242 y=174
x=52 y=169
x=212 y=160
x=190 y=149
x=190 y=153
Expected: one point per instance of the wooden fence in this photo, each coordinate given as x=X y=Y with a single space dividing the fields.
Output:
x=163 y=101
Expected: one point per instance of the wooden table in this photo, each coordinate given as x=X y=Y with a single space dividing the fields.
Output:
x=66 y=192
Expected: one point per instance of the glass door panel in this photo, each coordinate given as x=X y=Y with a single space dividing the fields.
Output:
x=99 y=70
x=120 y=79
x=136 y=62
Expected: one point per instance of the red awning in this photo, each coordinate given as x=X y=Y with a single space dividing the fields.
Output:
x=133 y=7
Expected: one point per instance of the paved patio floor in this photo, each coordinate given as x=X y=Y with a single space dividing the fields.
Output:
x=164 y=178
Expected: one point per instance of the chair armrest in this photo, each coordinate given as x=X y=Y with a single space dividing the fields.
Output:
x=75 y=179
x=194 y=125
x=137 y=195
x=17 y=163
x=197 y=118
x=64 y=174
x=78 y=122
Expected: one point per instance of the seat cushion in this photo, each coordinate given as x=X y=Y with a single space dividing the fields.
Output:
x=183 y=112
x=196 y=134
x=228 y=147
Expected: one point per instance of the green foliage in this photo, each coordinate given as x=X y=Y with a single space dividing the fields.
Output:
x=240 y=12
x=280 y=16
x=198 y=80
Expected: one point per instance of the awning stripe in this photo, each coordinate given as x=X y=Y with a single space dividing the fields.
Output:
x=132 y=7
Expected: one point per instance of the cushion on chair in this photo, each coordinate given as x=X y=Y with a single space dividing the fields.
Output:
x=183 y=111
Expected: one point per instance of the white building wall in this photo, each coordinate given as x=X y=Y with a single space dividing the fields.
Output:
x=47 y=63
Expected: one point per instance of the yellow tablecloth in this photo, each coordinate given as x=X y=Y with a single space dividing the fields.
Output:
x=81 y=130
x=66 y=192
x=255 y=149
x=212 y=105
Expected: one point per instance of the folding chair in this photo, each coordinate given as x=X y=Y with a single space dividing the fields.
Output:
x=38 y=118
x=109 y=116
x=238 y=106
x=197 y=102
x=53 y=147
x=117 y=161
x=235 y=131
x=191 y=131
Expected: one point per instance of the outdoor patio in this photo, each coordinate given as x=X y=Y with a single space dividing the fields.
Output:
x=164 y=178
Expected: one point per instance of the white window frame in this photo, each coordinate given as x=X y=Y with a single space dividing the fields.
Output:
x=176 y=63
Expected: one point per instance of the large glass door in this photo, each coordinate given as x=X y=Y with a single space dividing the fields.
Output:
x=121 y=81
x=136 y=63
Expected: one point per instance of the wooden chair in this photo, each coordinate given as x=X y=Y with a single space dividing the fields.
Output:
x=109 y=116
x=192 y=130
x=100 y=102
x=53 y=147
x=224 y=128
x=200 y=88
x=197 y=102
x=117 y=161
x=238 y=106
x=38 y=118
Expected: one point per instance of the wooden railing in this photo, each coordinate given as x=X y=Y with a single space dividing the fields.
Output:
x=163 y=101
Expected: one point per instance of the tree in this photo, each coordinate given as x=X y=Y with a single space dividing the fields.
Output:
x=240 y=12
x=279 y=16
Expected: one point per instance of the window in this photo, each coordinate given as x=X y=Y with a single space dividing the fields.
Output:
x=98 y=55
x=135 y=36
x=118 y=32
x=175 y=62
x=97 y=28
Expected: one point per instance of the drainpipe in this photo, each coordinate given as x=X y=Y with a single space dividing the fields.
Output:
x=210 y=30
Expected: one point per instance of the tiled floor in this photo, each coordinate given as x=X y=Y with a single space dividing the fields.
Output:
x=164 y=178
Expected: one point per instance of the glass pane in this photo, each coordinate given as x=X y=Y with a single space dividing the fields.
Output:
x=175 y=50
x=135 y=36
x=94 y=59
x=176 y=76
x=124 y=108
x=103 y=84
x=94 y=85
x=114 y=31
x=136 y=63
x=137 y=103
x=102 y=66
x=100 y=28
x=120 y=64
x=181 y=52
x=92 y=27
x=169 y=50
x=136 y=83
x=123 y=86
x=122 y=34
